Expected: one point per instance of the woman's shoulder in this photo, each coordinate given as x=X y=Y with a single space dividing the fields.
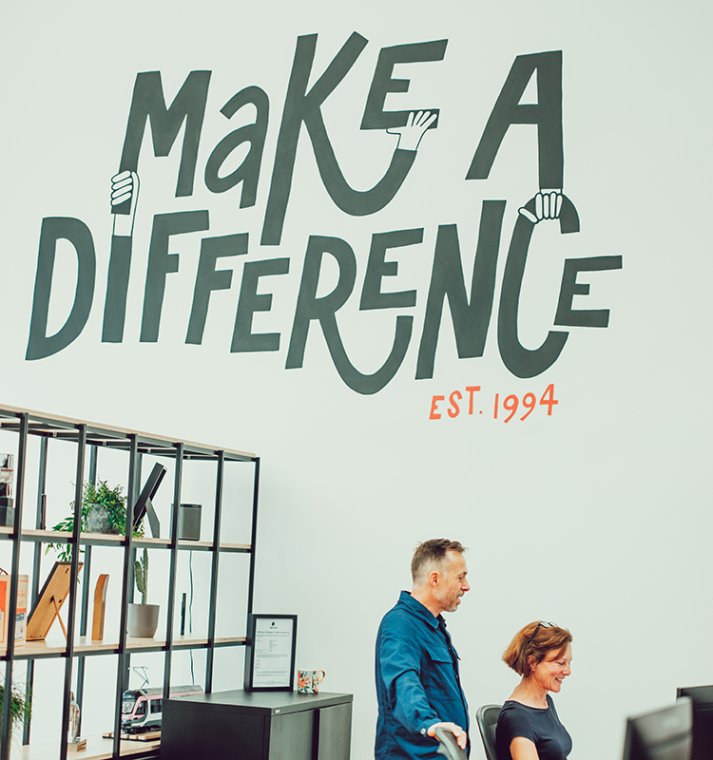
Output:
x=514 y=720
x=512 y=710
x=514 y=704
x=509 y=705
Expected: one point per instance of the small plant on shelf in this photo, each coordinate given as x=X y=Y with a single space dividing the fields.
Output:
x=103 y=511
x=19 y=707
x=142 y=619
x=141 y=574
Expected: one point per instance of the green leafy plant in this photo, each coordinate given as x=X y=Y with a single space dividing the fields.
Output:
x=19 y=706
x=110 y=501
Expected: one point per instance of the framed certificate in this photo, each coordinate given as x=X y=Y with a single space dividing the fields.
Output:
x=270 y=653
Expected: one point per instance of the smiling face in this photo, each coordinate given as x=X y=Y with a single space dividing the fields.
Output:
x=450 y=582
x=551 y=671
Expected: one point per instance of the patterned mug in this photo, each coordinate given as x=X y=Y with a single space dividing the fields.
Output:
x=308 y=681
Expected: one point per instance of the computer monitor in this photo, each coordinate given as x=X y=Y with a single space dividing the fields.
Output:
x=702 y=698
x=663 y=734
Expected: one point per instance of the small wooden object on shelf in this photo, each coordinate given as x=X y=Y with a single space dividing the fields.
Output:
x=99 y=607
x=146 y=736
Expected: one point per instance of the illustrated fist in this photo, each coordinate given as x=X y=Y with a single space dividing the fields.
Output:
x=124 y=197
x=547 y=204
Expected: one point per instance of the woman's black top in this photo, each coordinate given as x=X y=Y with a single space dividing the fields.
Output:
x=540 y=725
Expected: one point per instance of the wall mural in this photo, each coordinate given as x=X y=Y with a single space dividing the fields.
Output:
x=467 y=307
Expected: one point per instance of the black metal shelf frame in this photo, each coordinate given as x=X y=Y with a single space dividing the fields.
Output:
x=95 y=437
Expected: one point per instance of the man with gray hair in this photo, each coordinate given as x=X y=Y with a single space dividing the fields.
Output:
x=417 y=674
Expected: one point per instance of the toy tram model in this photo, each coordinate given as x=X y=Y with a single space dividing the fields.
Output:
x=141 y=709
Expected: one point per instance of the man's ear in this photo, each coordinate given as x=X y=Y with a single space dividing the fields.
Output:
x=434 y=578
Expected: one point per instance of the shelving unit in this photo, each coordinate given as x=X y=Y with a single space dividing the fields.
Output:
x=89 y=440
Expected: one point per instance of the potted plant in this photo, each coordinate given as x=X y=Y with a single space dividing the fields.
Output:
x=103 y=511
x=19 y=707
x=142 y=619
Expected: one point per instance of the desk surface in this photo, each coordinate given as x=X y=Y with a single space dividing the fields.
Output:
x=266 y=702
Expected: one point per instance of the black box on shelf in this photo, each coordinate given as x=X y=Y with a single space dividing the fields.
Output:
x=7 y=516
x=189 y=522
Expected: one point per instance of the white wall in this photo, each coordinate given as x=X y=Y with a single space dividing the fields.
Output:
x=596 y=517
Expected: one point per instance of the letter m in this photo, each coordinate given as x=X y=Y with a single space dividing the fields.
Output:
x=149 y=104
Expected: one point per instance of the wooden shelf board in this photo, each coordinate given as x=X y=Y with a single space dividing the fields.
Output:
x=235 y=547
x=113 y=538
x=54 y=647
x=57 y=425
x=225 y=641
x=132 y=643
x=53 y=536
x=64 y=537
x=151 y=543
x=96 y=749
x=83 y=645
x=195 y=545
x=36 y=649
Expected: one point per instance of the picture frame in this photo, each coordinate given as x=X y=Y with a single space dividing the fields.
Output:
x=144 y=506
x=50 y=600
x=270 y=653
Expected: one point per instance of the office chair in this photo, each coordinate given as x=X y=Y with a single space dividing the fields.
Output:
x=487 y=718
x=448 y=745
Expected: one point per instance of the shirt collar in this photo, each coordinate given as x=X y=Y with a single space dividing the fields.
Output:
x=416 y=608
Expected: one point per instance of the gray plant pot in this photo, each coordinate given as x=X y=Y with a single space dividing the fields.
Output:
x=98 y=520
x=142 y=620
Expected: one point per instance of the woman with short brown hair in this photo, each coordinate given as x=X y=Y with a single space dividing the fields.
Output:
x=528 y=727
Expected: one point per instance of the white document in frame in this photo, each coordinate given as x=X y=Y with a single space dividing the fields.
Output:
x=272 y=652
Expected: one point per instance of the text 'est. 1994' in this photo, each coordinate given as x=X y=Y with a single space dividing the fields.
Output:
x=505 y=407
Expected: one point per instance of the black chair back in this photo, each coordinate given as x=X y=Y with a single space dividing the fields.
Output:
x=487 y=719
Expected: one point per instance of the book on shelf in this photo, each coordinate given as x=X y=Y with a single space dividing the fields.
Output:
x=20 y=612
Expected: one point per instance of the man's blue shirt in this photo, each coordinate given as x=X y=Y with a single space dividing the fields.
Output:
x=417 y=681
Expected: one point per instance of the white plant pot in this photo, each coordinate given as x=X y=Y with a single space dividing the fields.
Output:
x=142 y=620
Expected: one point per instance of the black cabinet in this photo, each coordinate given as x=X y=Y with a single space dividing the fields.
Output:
x=257 y=726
